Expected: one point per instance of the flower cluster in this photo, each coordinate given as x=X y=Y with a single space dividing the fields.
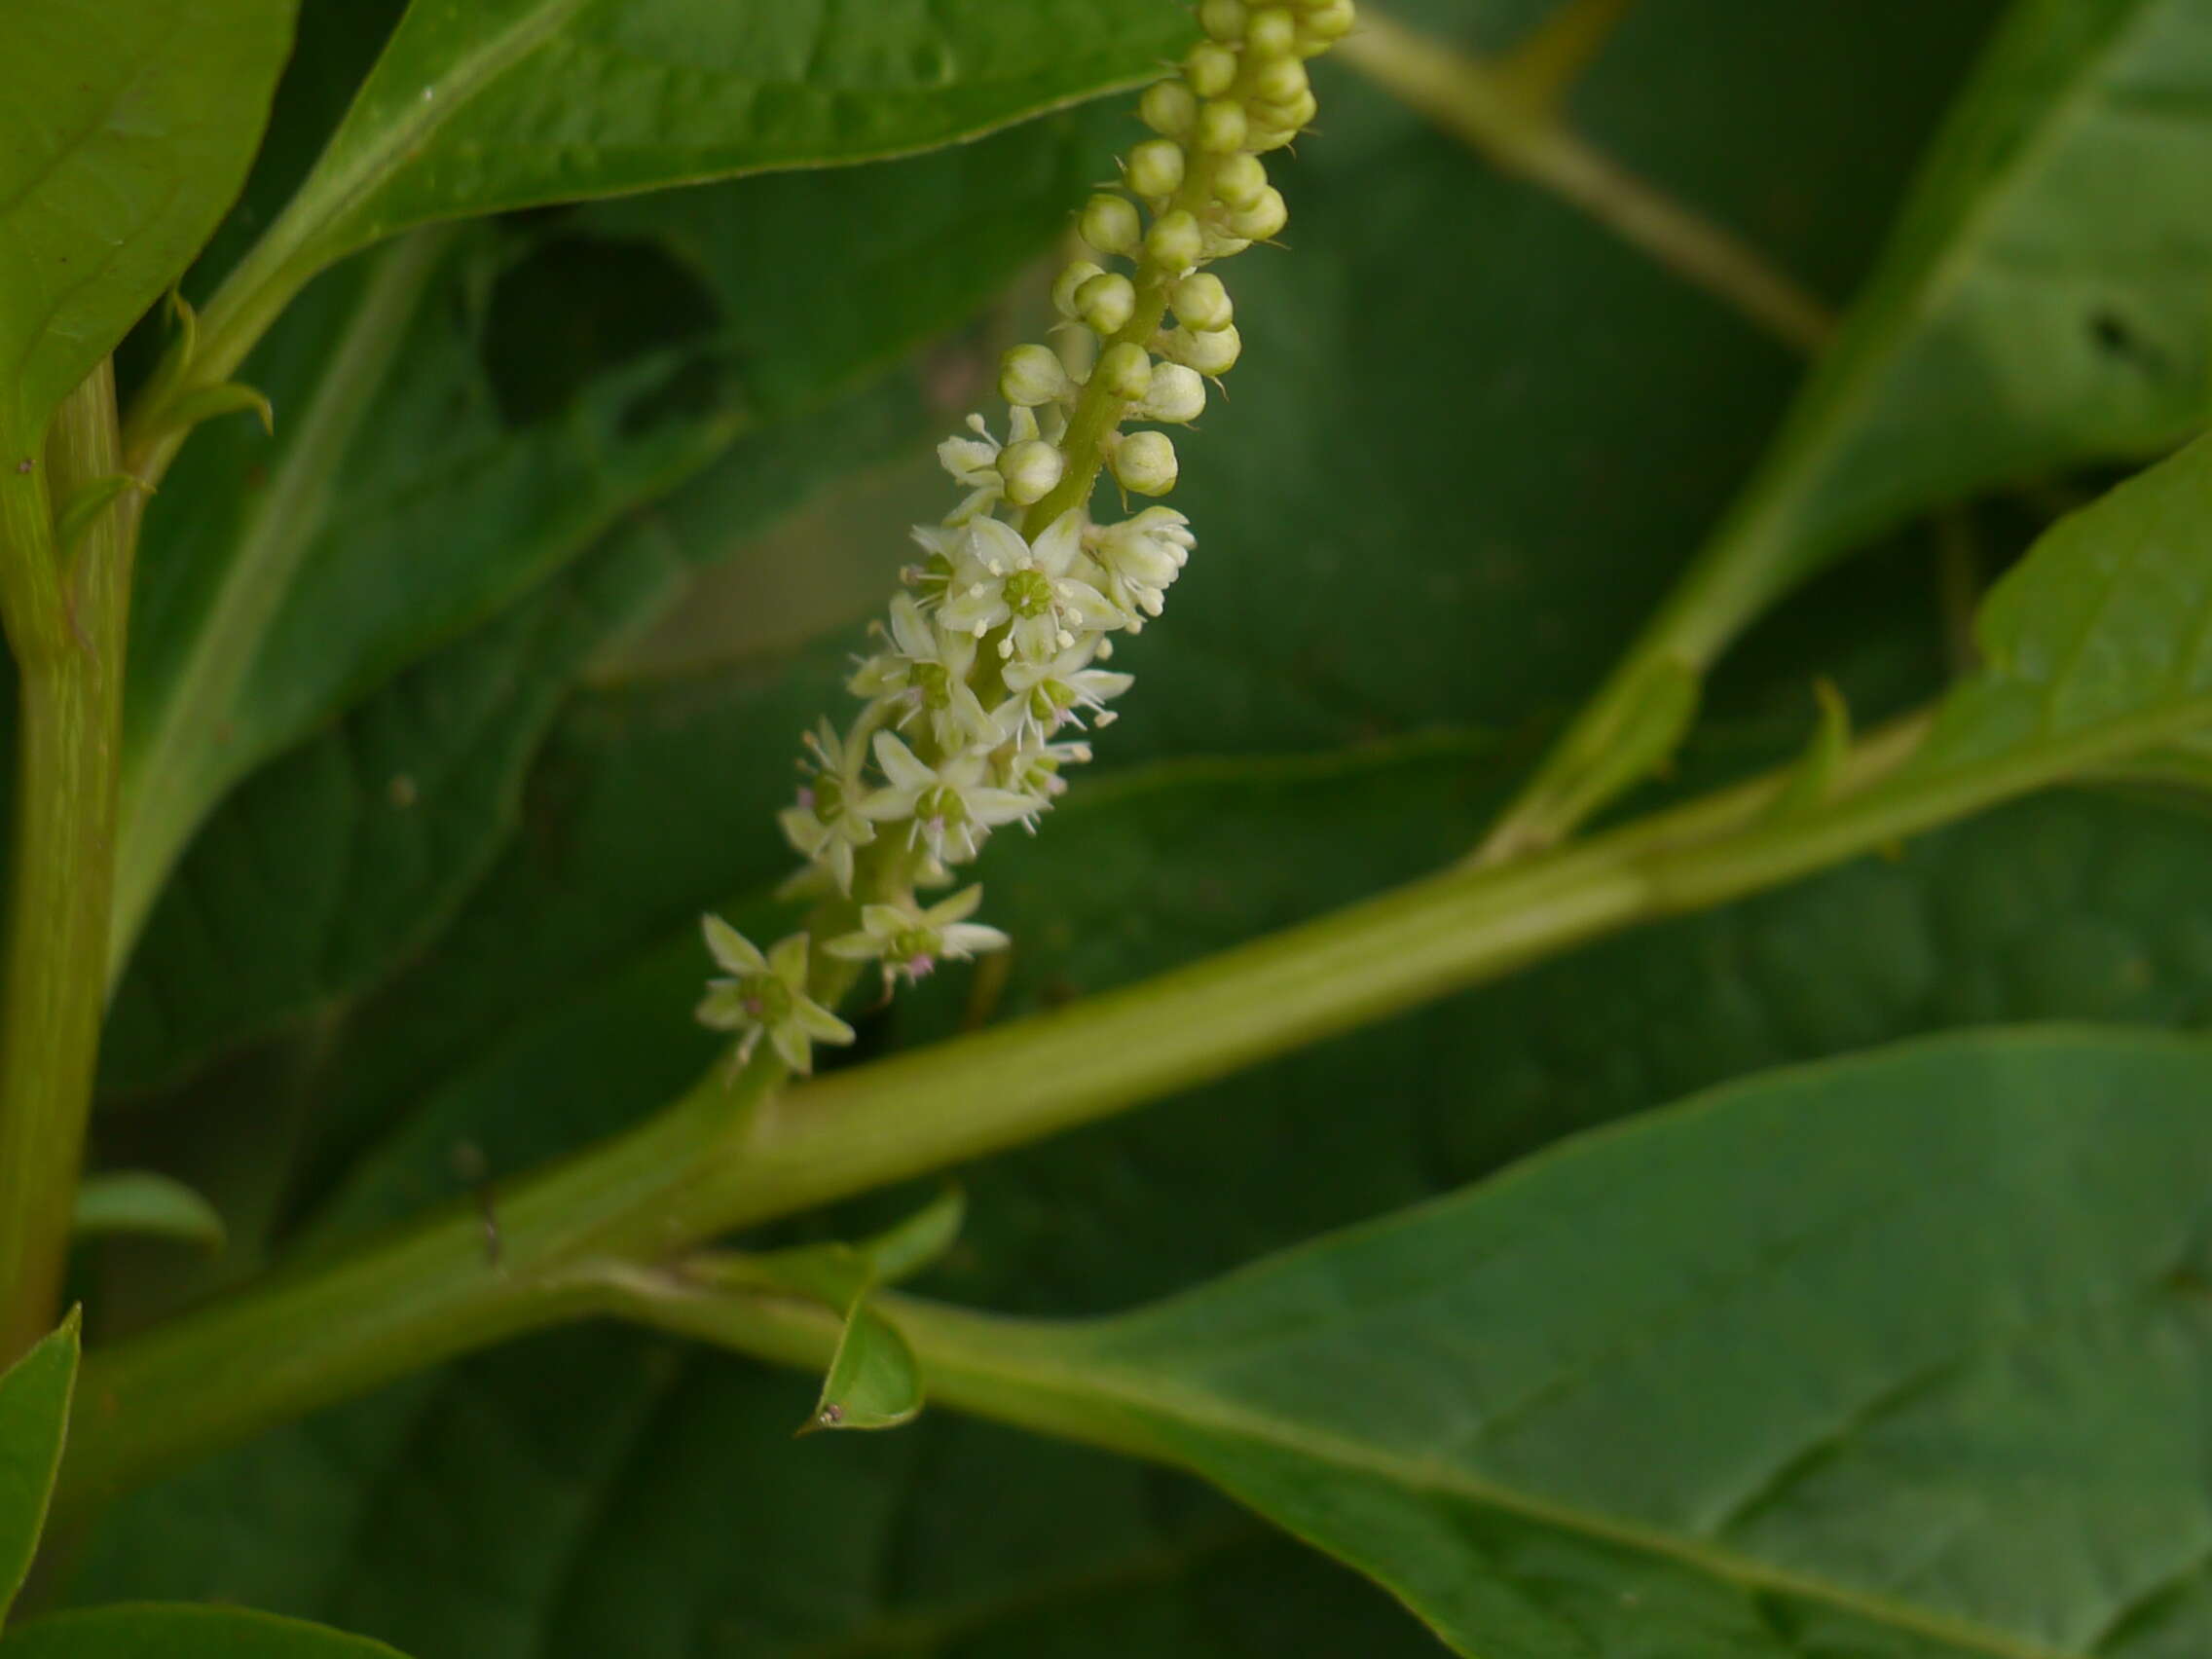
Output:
x=995 y=652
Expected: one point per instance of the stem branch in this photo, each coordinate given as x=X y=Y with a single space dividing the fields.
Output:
x=1518 y=131
x=67 y=610
x=712 y=1163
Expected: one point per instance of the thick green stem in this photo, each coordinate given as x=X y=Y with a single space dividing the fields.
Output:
x=1638 y=717
x=67 y=613
x=714 y=1163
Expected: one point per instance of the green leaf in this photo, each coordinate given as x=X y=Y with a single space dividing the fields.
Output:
x=34 y=1422
x=125 y=133
x=2041 y=303
x=626 y=1515
x=1850 y=1358
x=480 y=109
x=2104 y=630
x=873 y=1382
x=841 y=1275
x=432 y=417
x=145 y=1203
x=155 y=1632
x=2041 y=306
x=1548 y=576
x=347 y=853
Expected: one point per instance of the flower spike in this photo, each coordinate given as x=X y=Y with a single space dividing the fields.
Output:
x=998 y=640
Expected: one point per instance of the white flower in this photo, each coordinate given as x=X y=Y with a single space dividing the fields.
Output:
x=767 y=996
x=973 y=463
x=1034 y=590
x=1045 y=694
x=912 y=941
x=951 y=805
x=1033 y=769
x=925 y=673
x=1140 y=558
x=823 y=826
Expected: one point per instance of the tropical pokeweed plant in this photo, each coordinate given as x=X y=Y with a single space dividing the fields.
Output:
x=1658 y=872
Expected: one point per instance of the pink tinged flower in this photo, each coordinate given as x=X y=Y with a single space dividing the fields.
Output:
x=823 y=828
x=1035 y=770
x=1046 y=695
x=765 y=996
x=952 y=806
x=910 y=942
x=925 y=674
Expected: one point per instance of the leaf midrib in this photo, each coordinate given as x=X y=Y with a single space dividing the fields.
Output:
x=1198 y=1410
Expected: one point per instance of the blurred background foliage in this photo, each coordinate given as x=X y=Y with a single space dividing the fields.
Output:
x=598 y=552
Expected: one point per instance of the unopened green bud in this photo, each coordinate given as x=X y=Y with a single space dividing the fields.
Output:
x=1265 y=218
x=1125 y=369
x=1144 y=463
x=1212 y=353
x=1221 y=127
x=1201 y=303
x=1324 y=24
x=1106 y=302
x=1223 y=20
x=1178 y=395
x=1273 y=32
x=1280 y=81
x=1156 y=167
x=1168 y=107
x=1271 y=121
x=1069 y=284
x=1211 y=69
x=1030 y=375
x=1110 y=224
x=1175 y=241
x=1031 y=470
x=1239 y=180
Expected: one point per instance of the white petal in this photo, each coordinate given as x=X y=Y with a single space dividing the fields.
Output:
x=966 y=611
x=883 y=920
x=993 y=542
x=791 y=1045
x=806 y=834
x=887 y=806
x=910 y=630
x=1000 y=806
x=732 y=950
x=721 y=1007
x=787 y=960
x=1055 y=550
x=899 y=765
x=819 y=1023
x=957 y=908
x=968 y=938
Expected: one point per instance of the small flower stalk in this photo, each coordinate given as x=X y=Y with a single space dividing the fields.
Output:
x=991 y=666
